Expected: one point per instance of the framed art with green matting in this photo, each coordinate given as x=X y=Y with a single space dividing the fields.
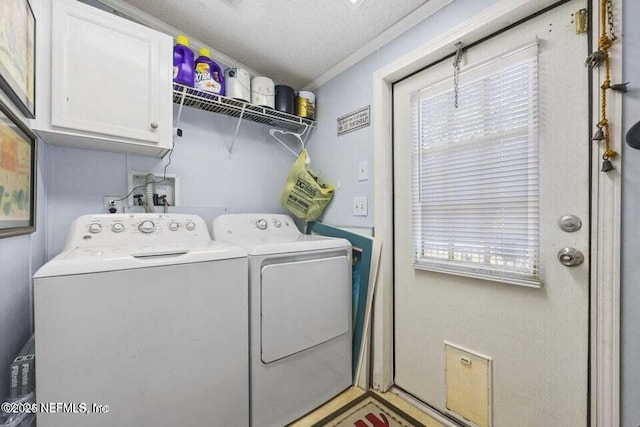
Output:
x=363 y=250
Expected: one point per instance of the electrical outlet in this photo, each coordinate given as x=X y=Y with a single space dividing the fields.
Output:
x=363 y=171
x=110 y=205
x=360 y=206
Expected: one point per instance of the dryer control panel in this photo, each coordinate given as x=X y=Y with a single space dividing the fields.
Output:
x=136 y=229
x=254 y=226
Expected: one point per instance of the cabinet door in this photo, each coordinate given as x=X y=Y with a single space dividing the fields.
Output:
x=110 y=76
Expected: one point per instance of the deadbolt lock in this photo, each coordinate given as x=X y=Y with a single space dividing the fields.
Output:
x=570 y=257
x=570 y=223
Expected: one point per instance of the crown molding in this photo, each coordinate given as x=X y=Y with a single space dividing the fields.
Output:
x=397 y=29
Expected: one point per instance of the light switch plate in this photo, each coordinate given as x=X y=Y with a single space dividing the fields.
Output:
x=363 y=171
x=360 y=207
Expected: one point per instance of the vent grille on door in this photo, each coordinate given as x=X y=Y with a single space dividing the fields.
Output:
x=468 y=382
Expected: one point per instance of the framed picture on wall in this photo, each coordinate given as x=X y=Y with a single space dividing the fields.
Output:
x=17 y=175
x=17 y=54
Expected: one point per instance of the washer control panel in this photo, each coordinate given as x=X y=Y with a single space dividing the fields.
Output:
x=147 y=226
x=118 y=227
x=253 y=226
x=133 y=229
x=95 y=227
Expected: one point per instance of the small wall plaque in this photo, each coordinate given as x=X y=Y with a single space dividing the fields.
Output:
x=353 y=121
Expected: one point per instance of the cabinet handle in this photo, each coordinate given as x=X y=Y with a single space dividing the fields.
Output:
x=154 y=125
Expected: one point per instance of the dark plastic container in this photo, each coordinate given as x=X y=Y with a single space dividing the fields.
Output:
x=183 y=71
x=285 y=97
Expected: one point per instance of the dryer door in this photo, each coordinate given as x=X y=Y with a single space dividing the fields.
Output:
x=304 y=304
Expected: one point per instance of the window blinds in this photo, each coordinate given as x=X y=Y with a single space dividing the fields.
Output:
x=475 y=177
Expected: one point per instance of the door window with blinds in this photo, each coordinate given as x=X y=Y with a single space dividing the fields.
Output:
x=475 y=177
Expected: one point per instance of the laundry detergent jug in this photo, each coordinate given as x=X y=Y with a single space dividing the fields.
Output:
x=183 y=62
x=208 y=75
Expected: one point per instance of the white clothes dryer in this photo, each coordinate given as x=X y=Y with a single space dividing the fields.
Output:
x=300 y=315
x=146 y=314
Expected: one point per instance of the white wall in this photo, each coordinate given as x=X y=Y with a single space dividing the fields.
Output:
x=250 y=181
x=20 y=257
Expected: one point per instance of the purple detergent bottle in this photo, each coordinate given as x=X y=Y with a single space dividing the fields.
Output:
x=208 y=75
x=183 y=62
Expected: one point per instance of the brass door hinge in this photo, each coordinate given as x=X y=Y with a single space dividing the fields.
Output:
x=581 y=18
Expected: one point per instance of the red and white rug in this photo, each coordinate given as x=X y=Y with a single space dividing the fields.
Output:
x=369 y=410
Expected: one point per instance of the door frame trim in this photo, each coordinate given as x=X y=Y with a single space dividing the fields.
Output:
x=606 y=225
x=605 y=217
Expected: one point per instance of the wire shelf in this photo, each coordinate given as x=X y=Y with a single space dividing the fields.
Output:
x=186 y=96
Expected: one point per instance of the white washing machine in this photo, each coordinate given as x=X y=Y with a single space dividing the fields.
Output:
x=146 y=314
x=300 y=315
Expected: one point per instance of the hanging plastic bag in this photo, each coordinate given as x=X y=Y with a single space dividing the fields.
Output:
x=305 y=194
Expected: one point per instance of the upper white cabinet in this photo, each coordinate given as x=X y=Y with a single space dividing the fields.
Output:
x=108 y=84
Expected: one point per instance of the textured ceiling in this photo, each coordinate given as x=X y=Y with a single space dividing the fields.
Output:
x=291 y=41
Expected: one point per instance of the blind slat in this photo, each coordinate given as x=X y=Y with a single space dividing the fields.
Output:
x=475 y=176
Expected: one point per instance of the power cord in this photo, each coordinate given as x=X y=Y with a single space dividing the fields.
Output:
x=177 y=133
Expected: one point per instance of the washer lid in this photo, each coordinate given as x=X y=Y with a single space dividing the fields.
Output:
x=106 y=242
x=98 y=259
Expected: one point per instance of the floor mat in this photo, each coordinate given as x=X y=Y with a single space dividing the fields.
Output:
x=369 y=410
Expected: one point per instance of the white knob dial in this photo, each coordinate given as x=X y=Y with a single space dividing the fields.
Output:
x=277 y=223
x=118 y=227
x=173 y=226
x=261 y=224
x=147 y=227
x=190 y=226
x=95 y=228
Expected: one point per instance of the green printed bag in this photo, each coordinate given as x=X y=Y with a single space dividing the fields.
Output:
x=305 y=194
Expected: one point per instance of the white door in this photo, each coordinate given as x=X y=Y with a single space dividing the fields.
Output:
x=490 y=326
x=110 y=76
